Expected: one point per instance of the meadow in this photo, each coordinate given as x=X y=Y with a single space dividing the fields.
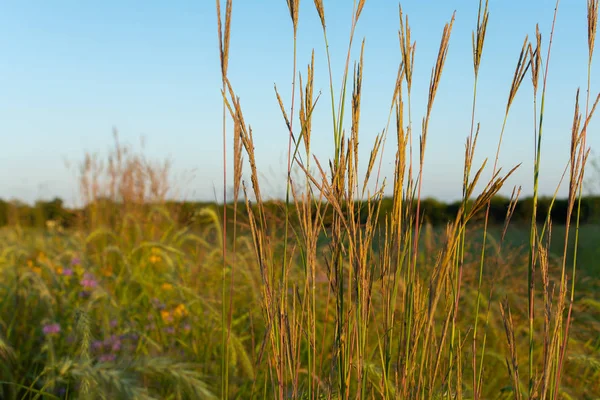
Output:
x=366 y=304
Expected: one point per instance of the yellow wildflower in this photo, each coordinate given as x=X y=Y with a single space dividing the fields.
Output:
x=107 y=270
x=167 y=286
x=166 y=316
x=37 y=270
x=180 y=311
x=155 y=255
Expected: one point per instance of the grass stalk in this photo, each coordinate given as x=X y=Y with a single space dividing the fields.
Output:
x=478 y=40
x=224 y=37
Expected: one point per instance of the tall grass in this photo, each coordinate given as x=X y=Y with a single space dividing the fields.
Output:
x=340 y=299
x=400 y=353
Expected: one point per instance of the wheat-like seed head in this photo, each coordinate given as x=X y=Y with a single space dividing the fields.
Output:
x=470 y=146
x=293 y=7
x=479 y=37
x=535 y=58
x=513 y=363
x=436 y=75
x=520 y=71
x=224 y=35
x=283 y=111
x=82 y=328
x=320 y=11
x=357 y=92
x=592 y=16
x=439 y=65
x=579 y=153
x=307 y=104
x=7 y=353
x=359 y=9
x=512 y=205
x=407 y=50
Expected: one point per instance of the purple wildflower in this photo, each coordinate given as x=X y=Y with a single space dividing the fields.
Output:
x=169 y=330
x=107 y=357
x=114 y=323
x=158 y=304
x=150 y=327
x=67 y=272
x=75 y=261
x=51 y=329
x=130 y=336
x=97 y=344
x=89 y=281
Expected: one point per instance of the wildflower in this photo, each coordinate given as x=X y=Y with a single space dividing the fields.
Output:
x=89 y=281
x=107 y=357
x=37 y=270
x=167 y=286
x=113 y=342
x=75 y=261
x=59 y=270
x=166 y=316
x=180 y=311
x=107 y=271
x=150 y=327
x=187 y=327
x=67 y=272
x=114 y=323
x=170 y=330
x=97 y=344
x=155 y=255
x=158 y=304
x=51 y=329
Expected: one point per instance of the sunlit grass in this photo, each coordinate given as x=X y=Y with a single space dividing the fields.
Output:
x=363 y=303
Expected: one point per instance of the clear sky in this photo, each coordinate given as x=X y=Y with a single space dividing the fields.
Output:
x=72 y=70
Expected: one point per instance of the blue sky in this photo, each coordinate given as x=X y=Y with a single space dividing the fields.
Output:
x=71 y=71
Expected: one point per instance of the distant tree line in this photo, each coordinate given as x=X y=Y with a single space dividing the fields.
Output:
x=45 y=213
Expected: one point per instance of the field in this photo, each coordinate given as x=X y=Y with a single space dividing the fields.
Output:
x=335 y=300
x=142 y=317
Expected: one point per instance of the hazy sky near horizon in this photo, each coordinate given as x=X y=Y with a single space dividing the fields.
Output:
x=72 y=71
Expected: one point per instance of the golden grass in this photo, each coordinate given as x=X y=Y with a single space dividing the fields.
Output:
x=310 y=307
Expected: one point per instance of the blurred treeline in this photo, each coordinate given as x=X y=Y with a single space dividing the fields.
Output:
x=107 y=212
